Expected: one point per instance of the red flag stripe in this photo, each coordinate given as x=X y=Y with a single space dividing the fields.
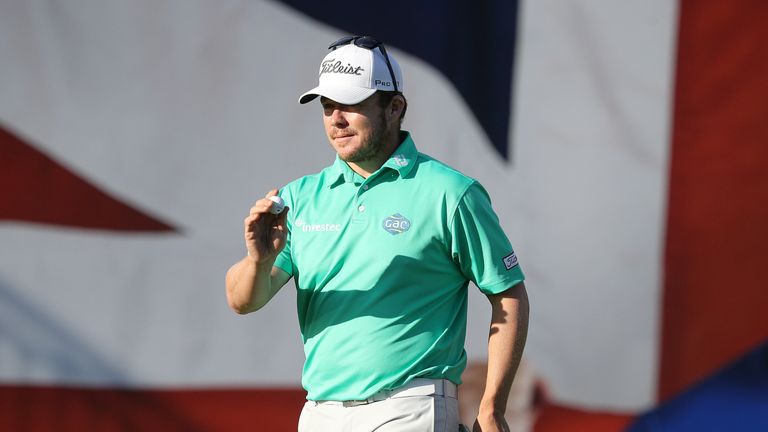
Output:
x=714 y=288
x=38 y=189
x=30 y=408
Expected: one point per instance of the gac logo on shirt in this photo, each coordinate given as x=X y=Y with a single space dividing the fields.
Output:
x=396 y=224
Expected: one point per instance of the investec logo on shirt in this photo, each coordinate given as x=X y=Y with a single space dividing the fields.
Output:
x=305 y=227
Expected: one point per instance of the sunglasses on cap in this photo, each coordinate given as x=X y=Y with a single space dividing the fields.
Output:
x=370 y=43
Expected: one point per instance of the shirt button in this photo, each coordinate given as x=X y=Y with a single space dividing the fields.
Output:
x=365 y=187
x=361 y=208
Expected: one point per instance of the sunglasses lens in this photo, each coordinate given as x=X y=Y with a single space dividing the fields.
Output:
x=343 y=41
x=367 y=42
x=361 y=41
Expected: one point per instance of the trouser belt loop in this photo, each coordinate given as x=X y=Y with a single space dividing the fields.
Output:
x=449 y=389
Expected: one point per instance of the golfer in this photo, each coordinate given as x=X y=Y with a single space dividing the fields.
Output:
x=382 y=245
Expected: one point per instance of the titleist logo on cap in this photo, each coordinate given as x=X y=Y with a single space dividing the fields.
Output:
x=335 y=66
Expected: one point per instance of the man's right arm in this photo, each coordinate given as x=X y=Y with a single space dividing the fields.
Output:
x=254 y=280
x=250 y=287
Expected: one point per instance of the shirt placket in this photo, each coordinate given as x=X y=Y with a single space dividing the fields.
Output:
x=360 y=210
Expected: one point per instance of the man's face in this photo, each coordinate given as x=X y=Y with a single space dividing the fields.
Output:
x=356 y=132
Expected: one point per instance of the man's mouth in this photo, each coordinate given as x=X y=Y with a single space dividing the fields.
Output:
x=343 y=135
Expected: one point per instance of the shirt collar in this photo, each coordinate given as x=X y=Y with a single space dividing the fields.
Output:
x=403 y=160
x=341 y=173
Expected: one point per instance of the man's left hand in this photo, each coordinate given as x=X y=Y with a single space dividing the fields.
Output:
x=491 y=423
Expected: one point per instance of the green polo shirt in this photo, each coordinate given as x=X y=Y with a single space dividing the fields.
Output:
x=382 y=265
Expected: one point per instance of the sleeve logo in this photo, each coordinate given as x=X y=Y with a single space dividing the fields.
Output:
x=510 y=261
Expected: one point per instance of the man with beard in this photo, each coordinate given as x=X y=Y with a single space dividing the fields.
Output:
x=382 y=245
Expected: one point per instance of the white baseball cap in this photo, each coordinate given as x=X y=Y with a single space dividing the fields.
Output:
x=350 y=74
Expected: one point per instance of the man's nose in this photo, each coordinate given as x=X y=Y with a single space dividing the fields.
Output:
x=337 y=117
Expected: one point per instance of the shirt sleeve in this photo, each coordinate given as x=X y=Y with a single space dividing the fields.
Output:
x=284 y=260
x=480 y=247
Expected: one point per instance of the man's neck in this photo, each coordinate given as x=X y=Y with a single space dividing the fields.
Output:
x=367 y=167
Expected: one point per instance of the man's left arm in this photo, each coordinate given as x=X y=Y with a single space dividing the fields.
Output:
x=508 y=332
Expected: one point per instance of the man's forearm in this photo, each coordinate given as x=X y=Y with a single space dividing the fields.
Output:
x=508 y=332
x=248 y=286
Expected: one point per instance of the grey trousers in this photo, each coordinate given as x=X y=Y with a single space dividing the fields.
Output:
x=422 y=405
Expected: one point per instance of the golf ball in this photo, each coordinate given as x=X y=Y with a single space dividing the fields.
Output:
x=279 y=204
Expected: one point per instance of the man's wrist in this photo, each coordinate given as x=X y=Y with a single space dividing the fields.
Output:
x=490 y=407
x=260 y=265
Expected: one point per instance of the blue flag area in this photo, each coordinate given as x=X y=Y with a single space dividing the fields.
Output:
x=735 y=399
x=471 y=43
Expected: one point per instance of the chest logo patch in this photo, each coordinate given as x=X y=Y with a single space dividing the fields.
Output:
x=396 y=224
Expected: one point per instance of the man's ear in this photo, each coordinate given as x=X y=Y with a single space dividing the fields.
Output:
x=396 y=107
